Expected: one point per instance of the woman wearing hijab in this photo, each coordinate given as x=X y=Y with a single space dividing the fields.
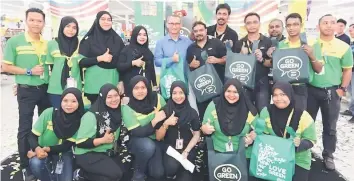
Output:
x=101 y=47
x=97 y=136
x=137 y=59
x=283 y=113
x=53 y=136
x=229 y=116
x=63 y=55
x=176 y=131
x=140 y=116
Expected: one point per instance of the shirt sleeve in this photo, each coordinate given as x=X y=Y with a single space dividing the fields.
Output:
x=347 y=59
x=87 y=129
x=159 y=55
x=195 y=123
x=123 y=63
x=234 y=41
x=307 y=128
x=41 y=124
x=162 y=101
x=189 y=54
x=208 y=115
x=10 y=52
x=49 y=57
x=129 y=119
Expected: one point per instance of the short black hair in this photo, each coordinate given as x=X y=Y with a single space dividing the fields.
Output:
x=35 y=10
x=294 y=15
x=342 y=21
x=319 y=21
x=223 y=6
x=251 y=14
x=198 y=23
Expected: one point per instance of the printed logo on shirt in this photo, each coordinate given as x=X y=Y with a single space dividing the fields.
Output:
x=290 y=66
x=205 y=84
x=210 y=48
x=227 y=172
x=240 y=70
x=262 y=48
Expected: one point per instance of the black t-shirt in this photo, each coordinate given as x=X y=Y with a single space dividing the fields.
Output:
x=229 y=34
x=264 y=44
x=344 y=38
x=214 y=47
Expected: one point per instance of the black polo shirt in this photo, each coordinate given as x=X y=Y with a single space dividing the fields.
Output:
x=229 y=34
x=264 y=44
x=344 y=38
x=214 y=47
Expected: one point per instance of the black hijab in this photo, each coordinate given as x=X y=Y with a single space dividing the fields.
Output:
x=146 y=105
x=279 y=117
x=233 y=117
x=66 y=125
x=139 y=50
x=67 y=46
x=184 y=111
x=107 y=117
x=98 y=40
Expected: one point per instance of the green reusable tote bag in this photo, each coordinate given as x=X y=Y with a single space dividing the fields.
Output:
x=169 y=75
x=273 y=157
x=228 y=166
x=241 y=67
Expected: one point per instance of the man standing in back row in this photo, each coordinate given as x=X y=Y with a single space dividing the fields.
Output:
x=24 y=56
x=221 y=30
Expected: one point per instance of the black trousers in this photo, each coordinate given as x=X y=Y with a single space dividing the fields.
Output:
x=100 y=167
x=329 y=102
x=300 y=95
x=28 y=97
x=91 y=97
x=260 y=96
x=173 y=167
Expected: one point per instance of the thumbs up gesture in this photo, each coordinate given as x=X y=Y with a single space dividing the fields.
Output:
x=244 y=49
x=172 y=120
x=195 y=63
x=175 y=57
x=138 y=62
x=208 y=128
x=106 y=57
x=108 y=137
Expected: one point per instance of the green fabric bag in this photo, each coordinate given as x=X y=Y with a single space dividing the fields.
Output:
x=273 y=157
x=169 y=75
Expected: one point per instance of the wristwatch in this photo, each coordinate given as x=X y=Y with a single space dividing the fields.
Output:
x=345 y=89
x=28 y=72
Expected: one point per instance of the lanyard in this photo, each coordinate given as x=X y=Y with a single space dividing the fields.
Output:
x=38 y=52
x=288 y=123
x=60 y=142
x=179 y=134
x=221 y=38
x=70 y=63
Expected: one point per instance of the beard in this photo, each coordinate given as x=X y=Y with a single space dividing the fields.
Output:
x=221 y=22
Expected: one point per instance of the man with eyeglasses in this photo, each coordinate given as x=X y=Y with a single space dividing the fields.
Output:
x=221 y=30
x=275 y=29
x=261 y=94
x=293 y=26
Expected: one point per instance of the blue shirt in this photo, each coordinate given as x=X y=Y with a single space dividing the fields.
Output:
x=166 y=47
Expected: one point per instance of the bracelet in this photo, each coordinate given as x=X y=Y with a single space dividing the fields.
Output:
x=313 y=61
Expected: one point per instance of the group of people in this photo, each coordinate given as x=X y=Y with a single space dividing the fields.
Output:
x=120 y=83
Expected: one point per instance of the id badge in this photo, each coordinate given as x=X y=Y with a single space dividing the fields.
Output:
x=71 y=82
x=179 y=144
x=229 y=147
x=59 y=167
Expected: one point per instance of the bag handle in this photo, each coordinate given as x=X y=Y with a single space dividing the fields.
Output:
x=209 y=142
x=260 y=126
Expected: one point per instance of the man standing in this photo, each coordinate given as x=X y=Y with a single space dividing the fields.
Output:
x=293 y=26
x=221 y=30
x=275 y=29
x=350 y=111
x=341 y=24
x=24 y=57
x=327 y=87
x=216 y=51
x=261 y=94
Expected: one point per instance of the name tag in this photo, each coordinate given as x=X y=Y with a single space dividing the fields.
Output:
x=71 y=82
x=59 y=167
x=229 y=147
x=179 y=144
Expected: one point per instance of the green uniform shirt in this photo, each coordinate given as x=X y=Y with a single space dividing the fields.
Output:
x=88 y=129
x=54 y=57
x=43 y=128
x=219 y=138
x=306 y=130
x=133 y=119
x=22 y=51
x=96 y=77
x=335 y=55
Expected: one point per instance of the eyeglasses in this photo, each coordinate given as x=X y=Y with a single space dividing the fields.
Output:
x=252 y=22
x=174 y=24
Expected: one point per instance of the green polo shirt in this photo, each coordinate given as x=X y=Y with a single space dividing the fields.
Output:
x=219 y=138
x=133 y=119
x=306 y=130
x=24 y=52
x=88 y=129
x=55 y=58
x=335 y=55
x=43 y=128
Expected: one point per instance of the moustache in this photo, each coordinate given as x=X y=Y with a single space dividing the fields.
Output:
x=221 y=19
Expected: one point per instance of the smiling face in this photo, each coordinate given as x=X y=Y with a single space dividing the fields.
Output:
x=113 y=99
x=142 y=37
x=70 y=30
x=231 y=94
x=105 y=22
x=200 y=32
x=293 y=26
x=174 y=24
x=222 y=16
x=178 y=95
x=280 y=99
x=275 y=29
x=252 y=24
x=140 y=91
x=69 y=103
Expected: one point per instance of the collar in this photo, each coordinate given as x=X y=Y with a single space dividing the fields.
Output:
x=287 y=41
x=327 y=42
x=169 y=37
x=226 y=29
x=260 y=38
x=31 y=40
